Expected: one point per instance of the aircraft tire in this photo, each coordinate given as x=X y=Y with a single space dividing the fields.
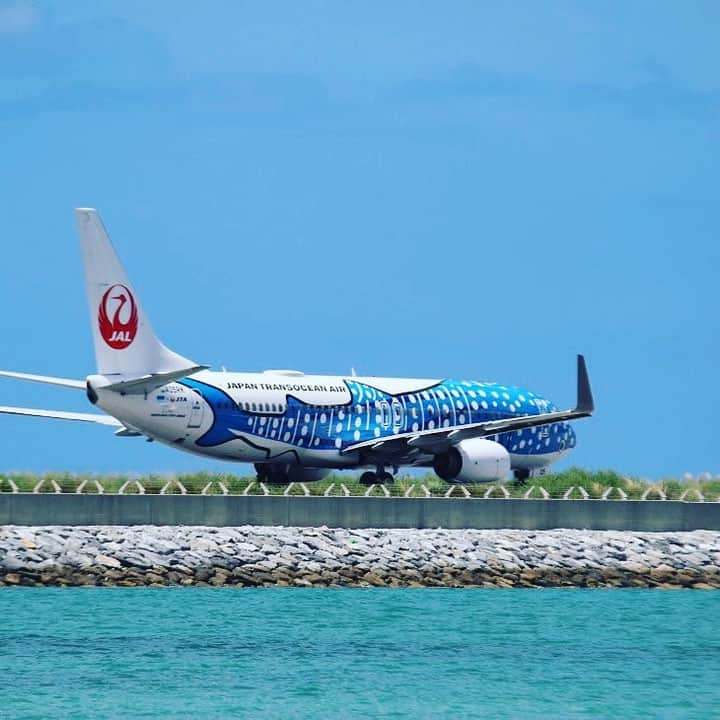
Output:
x=271 y=475
x=521 y=475
x=368 y=478
x=385 y=478
x=277 y=480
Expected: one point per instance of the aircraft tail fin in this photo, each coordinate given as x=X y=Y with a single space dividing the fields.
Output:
x=125 y=344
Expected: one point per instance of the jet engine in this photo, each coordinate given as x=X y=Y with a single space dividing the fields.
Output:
x=475 y=460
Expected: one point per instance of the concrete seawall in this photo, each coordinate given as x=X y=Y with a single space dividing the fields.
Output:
x=357 y=512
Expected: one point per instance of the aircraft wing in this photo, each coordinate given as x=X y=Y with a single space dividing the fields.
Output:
x=62 y=415
x=438 y=440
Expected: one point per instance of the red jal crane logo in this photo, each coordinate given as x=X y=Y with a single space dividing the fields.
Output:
x=120 y=331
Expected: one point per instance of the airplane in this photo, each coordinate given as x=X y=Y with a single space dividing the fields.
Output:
x=297 y=427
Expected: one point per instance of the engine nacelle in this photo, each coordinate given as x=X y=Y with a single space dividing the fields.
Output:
x=475 y=460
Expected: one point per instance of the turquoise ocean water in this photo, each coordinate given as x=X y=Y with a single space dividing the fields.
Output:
x=351 y=653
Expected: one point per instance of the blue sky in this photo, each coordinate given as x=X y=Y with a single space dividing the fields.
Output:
x=466 y=190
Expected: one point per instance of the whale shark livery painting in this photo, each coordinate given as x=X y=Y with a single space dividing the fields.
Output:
x=294 y=426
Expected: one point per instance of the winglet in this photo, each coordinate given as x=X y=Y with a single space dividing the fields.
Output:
x=585 y=402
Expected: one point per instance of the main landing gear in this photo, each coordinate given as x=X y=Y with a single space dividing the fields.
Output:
x=521 y=476
x=270 y=474
x=382 y=477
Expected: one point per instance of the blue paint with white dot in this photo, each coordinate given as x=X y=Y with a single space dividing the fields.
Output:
x=374 y=414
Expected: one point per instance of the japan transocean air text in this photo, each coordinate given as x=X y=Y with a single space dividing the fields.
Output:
x=295 y=426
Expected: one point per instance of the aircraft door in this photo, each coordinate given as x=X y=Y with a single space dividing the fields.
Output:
x=385 y=416
x=197 y=408
x=398 y=415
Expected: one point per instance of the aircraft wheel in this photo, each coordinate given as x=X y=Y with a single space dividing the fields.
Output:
x=521 y=475
x=368 y=478
x=277 y=477
x=271 y=474
x=385 y=478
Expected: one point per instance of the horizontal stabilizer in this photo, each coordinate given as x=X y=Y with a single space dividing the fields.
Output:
x=148 y=383
x=127 y=432
x=62 y=415
x=64 y=382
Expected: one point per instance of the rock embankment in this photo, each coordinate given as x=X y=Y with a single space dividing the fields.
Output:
x=280 y=556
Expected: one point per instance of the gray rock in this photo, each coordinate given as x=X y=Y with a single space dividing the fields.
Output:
x=267 y=555
x=10 y=563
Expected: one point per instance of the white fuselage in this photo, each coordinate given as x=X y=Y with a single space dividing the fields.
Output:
x=310 y=420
